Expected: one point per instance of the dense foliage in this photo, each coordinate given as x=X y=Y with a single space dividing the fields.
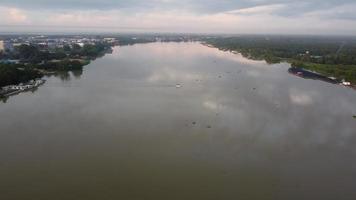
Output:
x=129 y=40
x=14 y=74
x=63 y=65
x=311 y=49
x=331 y=56
x=35 y=59
x=34 y=54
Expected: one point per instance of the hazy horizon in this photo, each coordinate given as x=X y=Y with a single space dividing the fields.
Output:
x=305 y=17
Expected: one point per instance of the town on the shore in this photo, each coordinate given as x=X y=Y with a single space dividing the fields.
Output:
x=24 y=60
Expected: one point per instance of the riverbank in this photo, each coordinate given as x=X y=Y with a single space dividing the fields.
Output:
x=11 y=90
x=307 y=74
x=344 y=74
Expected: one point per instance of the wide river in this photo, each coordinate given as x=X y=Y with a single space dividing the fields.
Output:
x=179 y=121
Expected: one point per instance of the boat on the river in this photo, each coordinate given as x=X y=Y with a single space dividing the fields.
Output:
x=307 y=74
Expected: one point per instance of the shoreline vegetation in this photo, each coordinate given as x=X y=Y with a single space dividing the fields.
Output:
x=333 y=58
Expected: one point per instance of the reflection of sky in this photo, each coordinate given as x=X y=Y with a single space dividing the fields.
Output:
x=171 y=74
x=241 y=94
x=229 y=112
x=299 y=97
x=226 y=90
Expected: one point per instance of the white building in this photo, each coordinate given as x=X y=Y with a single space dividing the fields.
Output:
x=345 y=83
x=21 y=87
x=81 y=44
x=111 y=40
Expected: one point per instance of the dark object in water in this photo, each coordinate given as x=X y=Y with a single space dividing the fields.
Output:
x=310 y=75
x=354 y=116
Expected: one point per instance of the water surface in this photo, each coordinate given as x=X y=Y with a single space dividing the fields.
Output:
x=235 y=129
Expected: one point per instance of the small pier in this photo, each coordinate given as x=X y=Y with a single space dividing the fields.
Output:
x=11 y=90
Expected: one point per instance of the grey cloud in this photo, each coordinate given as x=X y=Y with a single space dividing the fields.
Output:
x=291 y=8
x=200 y=6
x=283 y=15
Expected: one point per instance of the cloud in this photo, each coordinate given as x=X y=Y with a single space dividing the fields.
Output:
x=17 y=15
x=343 y=12
x=258 y=10
x=202 y=6
x=197 y=16
x=13 y=15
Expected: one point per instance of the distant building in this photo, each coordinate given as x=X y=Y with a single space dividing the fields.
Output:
x=18 y=44
x=109 y=39
x=52 y=45
x=8 y=46
x=2 y=48
x=10 y=61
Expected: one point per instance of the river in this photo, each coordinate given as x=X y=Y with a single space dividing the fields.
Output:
x=179 y=121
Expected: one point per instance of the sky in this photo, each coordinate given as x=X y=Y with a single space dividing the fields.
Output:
x=312 y=17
